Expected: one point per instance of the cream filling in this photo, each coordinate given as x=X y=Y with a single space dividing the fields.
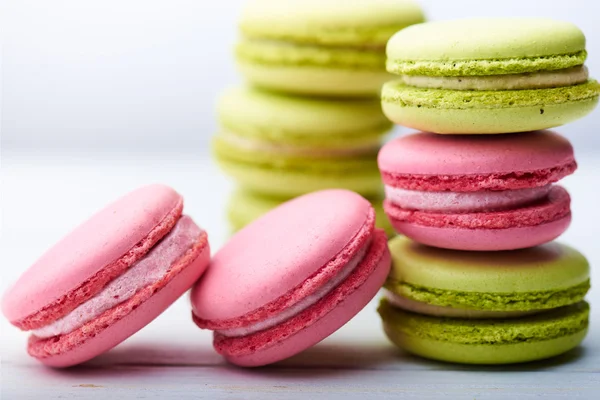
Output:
x=535 y=80
x=441 y=311
x=152 y=267
x=292 y=150
x=296 y=45
x=485 y=200
x=304 y=303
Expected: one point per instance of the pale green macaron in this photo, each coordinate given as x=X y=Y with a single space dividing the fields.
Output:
x=331 y=48
x=244 y=207
x=486 y=307
x=487 y=76
x=285 y=146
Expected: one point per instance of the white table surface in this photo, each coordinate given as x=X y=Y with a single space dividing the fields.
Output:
x=44 y=196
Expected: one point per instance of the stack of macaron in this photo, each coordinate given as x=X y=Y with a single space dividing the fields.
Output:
x=475 y=276
x=309 y=117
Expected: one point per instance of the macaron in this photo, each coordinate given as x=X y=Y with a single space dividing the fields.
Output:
x=108 y=278
x=286 y=146
x=244 y=207
x=311 y=47
x=292 y=277
x=488 y=76
x=485 y=307
x=478 y=192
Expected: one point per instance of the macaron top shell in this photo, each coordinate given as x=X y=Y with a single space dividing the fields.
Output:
x=279 y=118
x=111 y=234
x=332 y=22
x=278 y=252
x=430 y=154
x=488 y=39
x=547 y=267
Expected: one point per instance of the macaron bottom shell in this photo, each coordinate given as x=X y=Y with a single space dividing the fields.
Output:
x=514 y=228
x=317 y=81
x=317 y=322
x=483 y=239
x=485 y=354
x=118 y=323
x=486 y=120
x=468 y=341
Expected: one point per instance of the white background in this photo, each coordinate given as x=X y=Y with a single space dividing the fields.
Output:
x=99 y=97
x=144 y=74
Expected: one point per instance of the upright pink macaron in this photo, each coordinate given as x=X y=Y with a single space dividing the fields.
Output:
x=292 y=277
x=478 y=192
x=108 y=278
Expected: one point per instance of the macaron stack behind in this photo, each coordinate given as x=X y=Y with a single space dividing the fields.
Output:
x=478 y=184
x=310 y=116
x=333 y=48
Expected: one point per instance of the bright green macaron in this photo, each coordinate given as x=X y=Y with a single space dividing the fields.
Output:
x=286 y=146
x=332 y=48
x=244 y=207
x=534 y=294
x=486 y=76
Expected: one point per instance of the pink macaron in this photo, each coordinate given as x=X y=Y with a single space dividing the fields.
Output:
x=292 y=277
x=108 y=278
x=478 y=192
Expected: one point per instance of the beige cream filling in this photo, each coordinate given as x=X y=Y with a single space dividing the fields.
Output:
x=304 y=151
x=441 y=311
x=286 y=43
x=304 y=303
x=535 y=80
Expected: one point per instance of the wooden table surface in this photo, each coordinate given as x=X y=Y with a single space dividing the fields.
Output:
x=43 y=197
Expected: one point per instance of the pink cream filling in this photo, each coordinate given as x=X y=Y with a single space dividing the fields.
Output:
x=485 y=200
x=304 y=303
x=152 y=267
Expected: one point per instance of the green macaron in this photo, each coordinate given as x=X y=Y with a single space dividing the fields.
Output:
x=244 y=207
x=487 y=76
x=284 y=146
x=332 y=48
x=485 y=307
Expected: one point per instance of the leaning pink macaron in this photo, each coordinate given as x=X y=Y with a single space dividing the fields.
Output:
x=292 y=277
x=109 y=277
x=478 y=192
